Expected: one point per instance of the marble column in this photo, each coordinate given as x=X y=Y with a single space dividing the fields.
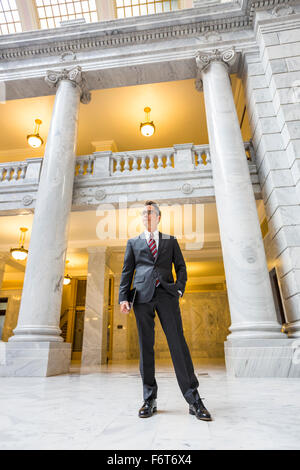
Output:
x=94 y=345
x=2 y=269
x=120 y=325
x=255 y=347
x=249 y=290
x=37 y=336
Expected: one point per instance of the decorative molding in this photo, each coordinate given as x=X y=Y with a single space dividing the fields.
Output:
x=123 y=32
x=187 y=188
x=75 y=76
x=100 y=194
x=27 y=200
x=282 y=10
x=254 y=5
x=119 y=39
x=140 y=30
x=212 y=36
x=67 y=56
x=204 y=59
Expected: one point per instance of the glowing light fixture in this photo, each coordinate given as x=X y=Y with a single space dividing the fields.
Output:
x=35 y=140
x=147 y=128
x=20 y=254
x=67 y=278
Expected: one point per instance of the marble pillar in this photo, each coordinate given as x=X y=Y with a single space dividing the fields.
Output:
x=2 y=269
x=120 y=326
x=37 y=347
x=249 y=290
x=94 y=346
x=253 y=316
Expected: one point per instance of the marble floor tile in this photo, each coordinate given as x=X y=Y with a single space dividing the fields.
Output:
x=97 y=408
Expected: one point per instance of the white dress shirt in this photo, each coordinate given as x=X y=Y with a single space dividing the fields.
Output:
x=155 y=237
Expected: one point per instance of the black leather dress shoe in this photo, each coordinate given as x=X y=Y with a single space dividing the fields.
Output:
x=200 y=411
x=149 y=407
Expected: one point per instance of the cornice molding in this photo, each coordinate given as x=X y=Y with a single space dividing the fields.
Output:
x=140 y=30
x=64 y=46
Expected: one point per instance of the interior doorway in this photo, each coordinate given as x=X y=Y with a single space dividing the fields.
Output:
x=72 y=315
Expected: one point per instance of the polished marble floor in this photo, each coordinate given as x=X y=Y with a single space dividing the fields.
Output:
x=97 y=409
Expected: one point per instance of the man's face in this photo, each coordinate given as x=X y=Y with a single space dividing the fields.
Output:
x=150 y=218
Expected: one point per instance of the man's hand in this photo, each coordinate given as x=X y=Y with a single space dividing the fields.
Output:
x=124 y=307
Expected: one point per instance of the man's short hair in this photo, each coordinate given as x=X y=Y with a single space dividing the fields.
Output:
x=152 y=203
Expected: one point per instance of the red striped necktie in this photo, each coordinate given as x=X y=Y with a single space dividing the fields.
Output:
x=152 y=246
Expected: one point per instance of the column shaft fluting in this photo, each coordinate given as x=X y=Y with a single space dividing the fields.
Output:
x=42 y=292
x=248 y=285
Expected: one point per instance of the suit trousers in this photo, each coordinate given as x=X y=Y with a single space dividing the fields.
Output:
x=167 y=307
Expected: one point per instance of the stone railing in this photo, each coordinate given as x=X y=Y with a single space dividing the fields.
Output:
x=84 y=165
x=19 y=173
x=181 y=171
x=182 y=157
x=141 y=161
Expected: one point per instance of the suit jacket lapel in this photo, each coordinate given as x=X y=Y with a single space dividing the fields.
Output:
x=161 y=240
x=143 y=238
x=159 y=244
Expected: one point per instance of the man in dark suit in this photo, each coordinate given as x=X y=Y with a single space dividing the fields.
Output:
x=151 y=255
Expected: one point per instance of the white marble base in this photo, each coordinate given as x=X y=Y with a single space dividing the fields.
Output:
x=35 y=359
x=262 y=358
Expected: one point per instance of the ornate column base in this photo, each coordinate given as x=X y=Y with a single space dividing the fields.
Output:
x=36 y=334
x=262 y=358
x=34 y=359
x=255 y=330
x=293 y=329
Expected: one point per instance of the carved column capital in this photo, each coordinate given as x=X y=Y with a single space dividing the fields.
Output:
x=204 y=59
x=75 y=75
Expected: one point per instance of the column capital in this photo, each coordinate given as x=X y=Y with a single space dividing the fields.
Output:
x=74 y=75
x=204 y=59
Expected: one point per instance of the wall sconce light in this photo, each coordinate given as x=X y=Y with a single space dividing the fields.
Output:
x=147 y=128
x=67 y=278
x=20 y=253
x=35 y=140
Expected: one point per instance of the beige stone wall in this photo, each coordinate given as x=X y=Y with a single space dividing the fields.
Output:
x=12 y=313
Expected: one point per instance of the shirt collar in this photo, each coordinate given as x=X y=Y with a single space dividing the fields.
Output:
x=155 y=233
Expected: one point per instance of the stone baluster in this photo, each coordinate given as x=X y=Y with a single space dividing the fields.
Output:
x=89 y=168
x=160 y=162
x=118 y=164
x=169 y=160
x=143 y=162
x=151 y=162
x=135 y=162
x=8 y=173
x=126 y=164
x=23 y=172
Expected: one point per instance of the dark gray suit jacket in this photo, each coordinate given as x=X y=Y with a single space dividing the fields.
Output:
x=138 y=258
